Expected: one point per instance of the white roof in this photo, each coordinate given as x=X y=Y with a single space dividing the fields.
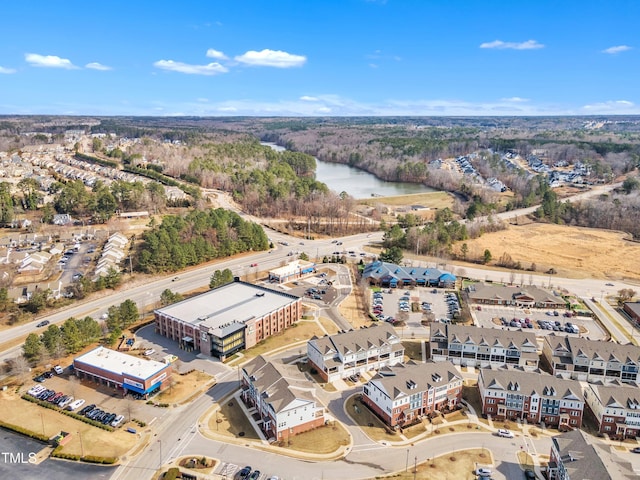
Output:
x=235 y=302
x=121 y=363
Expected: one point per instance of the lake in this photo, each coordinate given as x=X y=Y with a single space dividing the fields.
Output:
x=356 y=182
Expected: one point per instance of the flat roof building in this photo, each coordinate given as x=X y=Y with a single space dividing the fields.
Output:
x=292 y=270
x=120 y=370
x=227 y=319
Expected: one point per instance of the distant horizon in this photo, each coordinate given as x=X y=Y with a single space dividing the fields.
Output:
x=330 y=58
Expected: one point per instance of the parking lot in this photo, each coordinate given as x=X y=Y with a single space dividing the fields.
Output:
x=107 y=399
x=413 y=305
x=490 y=316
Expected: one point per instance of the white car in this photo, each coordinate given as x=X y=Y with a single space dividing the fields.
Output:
x=36 y=390
x=483 y=472
x=75 y=404
x=149 y=352
x=503 y=432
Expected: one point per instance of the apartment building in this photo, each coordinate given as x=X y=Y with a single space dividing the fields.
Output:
x=355 y=352
x=536 y=397
x=483 y=347
x=283 y=399
x=575 y=456
x=402 y=394
x=592 y=360
x=616 y=408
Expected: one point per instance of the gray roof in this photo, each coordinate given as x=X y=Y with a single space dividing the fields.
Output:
x=530 y=383
x=234 y=303
x=584 y=460
x=483 y=292
x=353 y=341
x=634 y=307
x=485 y=336
x=279 y=384
x=618 y=396
x=120 y=363
x=403 y=380
x=594 y=349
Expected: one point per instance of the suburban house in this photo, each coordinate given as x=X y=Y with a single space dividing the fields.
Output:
x=616 y=408
x=524 y=296
x=229 y=318
x=513 y=394
x=574 y=456
x=282 y=397
x=355 y=352
x=391 y=275
x=402 y=394
x=483 y=347
x=591 y=360
x=633 y=310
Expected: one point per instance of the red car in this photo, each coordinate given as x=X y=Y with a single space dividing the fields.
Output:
x=253 y=265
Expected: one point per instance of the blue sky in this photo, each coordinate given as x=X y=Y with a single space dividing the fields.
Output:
x=320 y=58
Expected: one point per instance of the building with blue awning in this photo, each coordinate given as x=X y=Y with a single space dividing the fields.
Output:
x=386 y=274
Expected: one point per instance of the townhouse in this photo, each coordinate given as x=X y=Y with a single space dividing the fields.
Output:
x=616 y=408
x=483 y=347
x=283 y=399
x=402 y=394
x=591 y=360
x=355 y=352
x=574 y=456
x=513 y=394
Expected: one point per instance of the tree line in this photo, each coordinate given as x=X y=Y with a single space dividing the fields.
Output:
x=199 y=236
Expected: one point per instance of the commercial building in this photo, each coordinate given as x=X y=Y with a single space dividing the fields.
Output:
x=633 y=310
x=529 y=296
x=122 y=371
x=592 y=360
x=227 y=319
x=291 y=271
x=402 y=394
x=483 y=347
x=574 y=456
x=391 y=275
x=616 y=409
x=284 y=402
x=355 y=352
x=536 y=397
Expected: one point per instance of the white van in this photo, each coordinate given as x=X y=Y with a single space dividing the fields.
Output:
x=58 y=369
x=117 y=421
x=75 y=405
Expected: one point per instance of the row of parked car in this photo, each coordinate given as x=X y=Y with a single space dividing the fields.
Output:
x=377 y=308
x=453 y=304
x=248 y=474
x=56 y=398
x=106 y=418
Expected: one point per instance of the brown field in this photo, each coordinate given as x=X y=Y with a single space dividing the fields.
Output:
x=430 y=199
x=572 y=251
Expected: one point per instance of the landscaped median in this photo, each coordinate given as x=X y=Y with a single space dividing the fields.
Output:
x=229 y=423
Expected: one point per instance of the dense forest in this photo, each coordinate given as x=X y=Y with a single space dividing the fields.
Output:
x=200 y=236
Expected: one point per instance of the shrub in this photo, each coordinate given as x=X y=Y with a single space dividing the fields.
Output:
x=171 y=474
x=82 y=418
x=24 y=431
x=58 y=453
x=101 y=460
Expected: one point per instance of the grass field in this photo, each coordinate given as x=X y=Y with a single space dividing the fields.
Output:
x=572 y=251
x=429 y=199
x=457 y=465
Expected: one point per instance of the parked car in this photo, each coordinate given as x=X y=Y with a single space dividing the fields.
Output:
x=58 y=369
x=635 y=450
x=149 y=352
x=39 y=378
x=529 y=474
x=503 y=432
x=75 y=404
x=117 y=421
x=255 y=475
x=244 y=473
x=483 y=472
x=87 y=409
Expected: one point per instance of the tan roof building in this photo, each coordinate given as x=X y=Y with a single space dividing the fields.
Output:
x=523 y=296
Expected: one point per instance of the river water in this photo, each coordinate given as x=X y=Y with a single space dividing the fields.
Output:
x=358 y=183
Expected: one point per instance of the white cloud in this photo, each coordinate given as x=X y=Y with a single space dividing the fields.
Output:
x=211 y=53
x=515 y=99
x=611 y=107
x=307 y=98
x=616 y=49
x=209 y=69
x=500 y=45
x=227 y=109
x=202 y=99
x=49 y=61
x=271 y=58
x=97 y=66
x=7 y=71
